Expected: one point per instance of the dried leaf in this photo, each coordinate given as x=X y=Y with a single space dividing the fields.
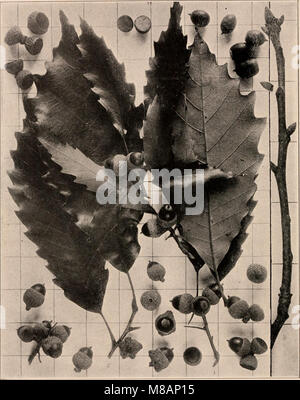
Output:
x=165 y=86
x=216 y=125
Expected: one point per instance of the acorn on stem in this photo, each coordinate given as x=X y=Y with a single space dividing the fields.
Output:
x=32 y=44
x=200 y=305
x=52 y=346
x=241 y=346
x=34 y=298
x=167 y=216
x=165 y=323
x=238 y=309
x=212 y=297
x=258 y=346
x=156 y=271
x=38 y=23
x=183 y=303
x=256 y=313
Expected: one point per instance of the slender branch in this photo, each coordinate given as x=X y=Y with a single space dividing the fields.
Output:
x=272 y=29
x=128 y=328
x=210 y=338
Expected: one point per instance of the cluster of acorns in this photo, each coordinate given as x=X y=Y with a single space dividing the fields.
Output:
x=38 y=24
x=47 y=336
x=246 y=350
x=244 y=54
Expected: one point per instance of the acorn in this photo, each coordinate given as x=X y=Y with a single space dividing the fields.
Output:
x=129 y=347
x=212 y=297
x=153 y=228
x=135 y=160
x=258 y=346
x=52 y=346
x=238 y=309
x=200 y=305
x=159 y=359
x=32 y=298
x=167 y=216
x=142 y=24
x=33 y=45
x=255 y=38
x=40 y=331
x=61 y=331
x=165 y=323
x=156 y=271
x=247 y=69
x=83 y=359
x=151 y=300
x=192 y=356
x=240 y=346
x=167 y=352
x=125 y=23
x=14 y=67
x=216 y=289
x=256 y=313
x=240 y=52
x=249 y=362
x=231 y=300
x=39 y=287
x=25 y=333
x=183 y=303
x=119 y=164
x=24 y=80
x=257 y=273
x=200 y=18
x=38 y=23
x=14 y=36
x=228 y=23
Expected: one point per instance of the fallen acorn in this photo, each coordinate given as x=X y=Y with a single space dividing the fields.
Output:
x=257 y=273
x=25 y=333
x=159 y=359
x=183 y=303
x=83 y=359
x=165 y=323
x=241 y=346
x=192 y=356
x=156 y=271
x=14 y=67
x=129 y=347
x=33 y=298
x=228 y=23
x=200 y=18
x=38 y=22
x=151 y=300
x=249 y=362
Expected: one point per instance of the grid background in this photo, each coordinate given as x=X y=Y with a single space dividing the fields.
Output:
x=21 y=267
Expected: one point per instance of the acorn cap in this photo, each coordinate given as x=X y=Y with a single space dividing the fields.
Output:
x=159 y=360
x=183 y=303
x=257 y=273
x=165 y=323
x=14 y=67
x=39 y=287
x=258 y=346
x=212 y=297
x=125 y=23
x=256 y=313
x=192 y=356
x=245 y=348
x=142 y=24
x=200 y=305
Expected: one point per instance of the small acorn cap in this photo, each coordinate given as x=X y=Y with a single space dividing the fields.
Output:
x=256 y=313
x=165 y=323
x=257 y=273
x=239 y=309
x=14 y=67
x=125 y=23
x=249 y=362
x=232 y=299
x=14 y=36
x=24 y=79
x=200 y=305
x=142 y=24
x=34 y=45
x=192 y=356
x=151 y=300
x=39 y=287
x=258 y=346
x=38 y=23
